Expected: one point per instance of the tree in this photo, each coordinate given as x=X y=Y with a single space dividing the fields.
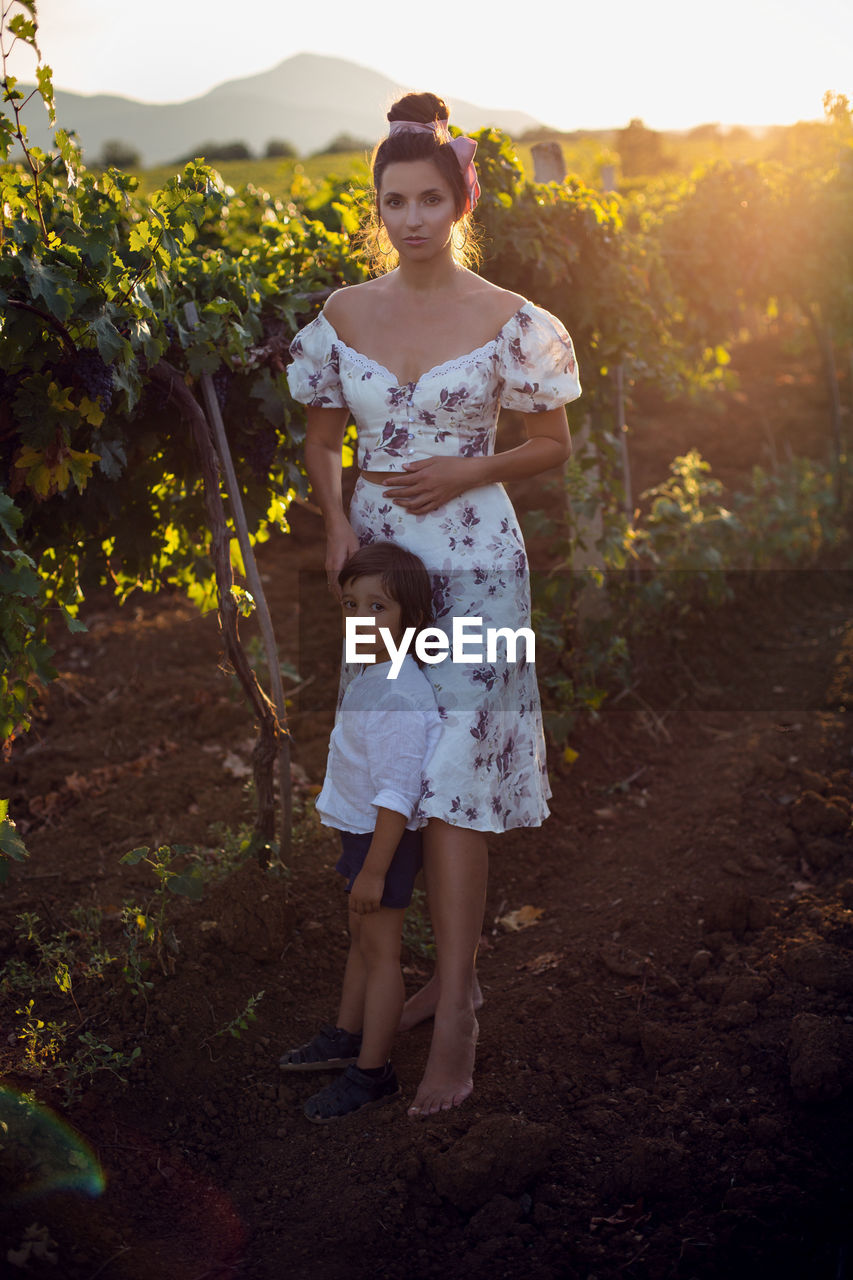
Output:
x=278 y=148
x=640 y=150
x=116 y=154
x=806 y=143
x=218 y=151
x=839 y=112
x=705 y=133
x=344 y=142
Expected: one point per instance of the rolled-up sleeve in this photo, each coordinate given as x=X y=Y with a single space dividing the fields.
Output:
x=396 y=742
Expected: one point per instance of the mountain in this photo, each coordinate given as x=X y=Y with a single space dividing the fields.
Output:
x=306 y=100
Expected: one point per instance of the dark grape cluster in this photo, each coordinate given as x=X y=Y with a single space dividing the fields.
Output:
x=95 y=377
x=171 y=332
x=261 y=452
x=9 y=383
x=157 y=397
x=221 y=383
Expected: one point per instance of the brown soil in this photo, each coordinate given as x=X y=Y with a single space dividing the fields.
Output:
x=666 y=1056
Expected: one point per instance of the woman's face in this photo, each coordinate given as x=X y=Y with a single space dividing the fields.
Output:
x=417 y=208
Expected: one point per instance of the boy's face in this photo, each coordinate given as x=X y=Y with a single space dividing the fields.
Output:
x=367 y=598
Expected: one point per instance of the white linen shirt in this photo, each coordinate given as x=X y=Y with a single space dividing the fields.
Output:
x=385 y=733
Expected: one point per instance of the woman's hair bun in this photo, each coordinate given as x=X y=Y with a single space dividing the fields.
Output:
x=402 y=146
x=421 y=108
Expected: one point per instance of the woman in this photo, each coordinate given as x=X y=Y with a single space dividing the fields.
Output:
x=423 y=356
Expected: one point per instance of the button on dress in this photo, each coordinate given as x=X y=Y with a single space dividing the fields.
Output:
x=488 y=771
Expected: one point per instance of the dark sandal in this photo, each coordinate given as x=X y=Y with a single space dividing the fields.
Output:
x=332 y=1047
x=353 y=1091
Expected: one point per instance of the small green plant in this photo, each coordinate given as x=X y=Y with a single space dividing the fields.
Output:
x=417 y=930
x=43 y=1041
x=574 y=617
x=51 y=964
x=232 y=847
x=790 y=514
x=239 y=1023
x=55 y=957
x=687 y=535
x=17 y=976
x=60 y=959
x=235 y=846
x=137 y=930
x=151 y=921
x=45 y=1045
x=94 y=1056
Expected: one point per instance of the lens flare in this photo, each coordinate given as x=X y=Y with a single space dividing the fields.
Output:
x=40 y=1152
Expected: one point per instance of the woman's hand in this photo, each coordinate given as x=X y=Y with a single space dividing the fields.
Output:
x=341 y=543
x=426 y=485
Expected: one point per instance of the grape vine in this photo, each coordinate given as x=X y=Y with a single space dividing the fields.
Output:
x=99 y=371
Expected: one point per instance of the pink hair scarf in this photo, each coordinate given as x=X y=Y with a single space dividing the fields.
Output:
x=464 y=149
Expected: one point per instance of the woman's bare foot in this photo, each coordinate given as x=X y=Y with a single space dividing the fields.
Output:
x=449 y=1076
x=422 y=1005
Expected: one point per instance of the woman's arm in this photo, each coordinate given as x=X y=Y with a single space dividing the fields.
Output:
x=323 y=440
x=548 y=444
x=428 y=484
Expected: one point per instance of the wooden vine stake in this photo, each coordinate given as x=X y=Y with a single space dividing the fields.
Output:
x=622 y=429
x=168 y=377
x=274 y=737
x=823 y=336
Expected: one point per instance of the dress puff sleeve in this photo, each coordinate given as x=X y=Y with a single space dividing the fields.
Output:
x=537 y=362
x=314 y=373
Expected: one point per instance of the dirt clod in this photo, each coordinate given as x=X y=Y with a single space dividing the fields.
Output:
x=499 y=1154
x=821 y=1057
x=820 y=965
x=250 y=914
x=814 y=815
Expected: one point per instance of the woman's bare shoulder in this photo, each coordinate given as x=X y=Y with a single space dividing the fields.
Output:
x=351 y=302
x=502 y=304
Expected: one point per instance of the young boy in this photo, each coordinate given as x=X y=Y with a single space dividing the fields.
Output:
x=385 y=732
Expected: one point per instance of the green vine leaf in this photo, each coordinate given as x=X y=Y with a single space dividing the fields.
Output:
x=44 y=80
x=188 y=884
x=110 y=342
x=12 y=846
x=135 y=856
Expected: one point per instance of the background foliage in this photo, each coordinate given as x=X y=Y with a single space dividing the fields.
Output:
x=100 y=482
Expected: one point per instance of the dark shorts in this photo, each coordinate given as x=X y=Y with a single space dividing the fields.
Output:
x=400 y=877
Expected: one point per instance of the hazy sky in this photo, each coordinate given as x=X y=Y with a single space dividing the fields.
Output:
x=674 y=63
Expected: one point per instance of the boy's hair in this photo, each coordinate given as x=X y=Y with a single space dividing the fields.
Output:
x=404 y=577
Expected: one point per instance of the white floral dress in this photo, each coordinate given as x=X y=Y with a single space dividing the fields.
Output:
x=488 y=771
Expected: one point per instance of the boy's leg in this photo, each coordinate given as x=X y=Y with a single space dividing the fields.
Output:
x=337 y=1045
x=351 y=1008
x=373 y=1081
x=379 y=935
